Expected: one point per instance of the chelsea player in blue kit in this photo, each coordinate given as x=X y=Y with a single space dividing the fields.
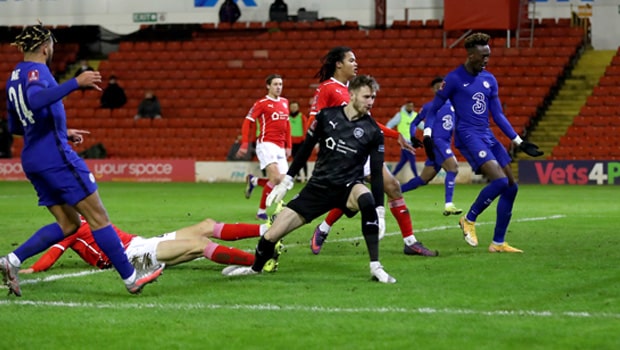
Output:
x=63 y=182
x=440 y=155
x=474 y=93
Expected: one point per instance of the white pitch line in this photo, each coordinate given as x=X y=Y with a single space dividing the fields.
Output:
x=56 y=277
x=60 y=277
x=311 y=309
x=315 y=309
x=442 y=228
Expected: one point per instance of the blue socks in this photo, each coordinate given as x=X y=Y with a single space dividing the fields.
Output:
x=44 y=238
x=412 y=184
x=399 y=166
x=486 y=197
x=406 y=156
x=449 y=185
x=108 y=241
x=504 y=212
x=411 y=158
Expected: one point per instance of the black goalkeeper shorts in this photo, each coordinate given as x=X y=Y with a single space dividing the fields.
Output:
x=315 y=200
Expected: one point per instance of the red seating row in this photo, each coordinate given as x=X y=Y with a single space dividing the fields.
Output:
x=206 y=86
x=597 y=126
x=63 y=55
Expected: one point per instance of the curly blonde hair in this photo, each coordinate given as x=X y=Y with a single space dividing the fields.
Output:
x=32 y=37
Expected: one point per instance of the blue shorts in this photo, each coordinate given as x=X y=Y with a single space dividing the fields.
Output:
x=443 y=151
x=479 y=149
x=68 y=184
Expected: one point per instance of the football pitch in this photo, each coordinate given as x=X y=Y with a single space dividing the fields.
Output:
x=562 y=293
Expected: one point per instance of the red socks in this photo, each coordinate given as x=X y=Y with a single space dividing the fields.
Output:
x=228 y=255
x=233 y=232
x=333 y=216
x=401 y=213
x=266 y=191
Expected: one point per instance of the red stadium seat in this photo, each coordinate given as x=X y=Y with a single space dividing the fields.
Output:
x=193 y=76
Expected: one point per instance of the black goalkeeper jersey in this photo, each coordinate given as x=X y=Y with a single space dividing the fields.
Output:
x=344 y=147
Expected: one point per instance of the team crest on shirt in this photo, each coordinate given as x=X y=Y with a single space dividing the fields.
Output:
x=358 y=133
x=486 y=84
x=33 y=75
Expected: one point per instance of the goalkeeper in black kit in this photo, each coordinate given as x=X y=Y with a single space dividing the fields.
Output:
x=347 y=136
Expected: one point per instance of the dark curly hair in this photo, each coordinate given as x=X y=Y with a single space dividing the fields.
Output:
x=329 y=61
x=32 y=37
x=477 y=39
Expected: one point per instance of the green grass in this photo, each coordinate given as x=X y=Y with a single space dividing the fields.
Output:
x=562 y=293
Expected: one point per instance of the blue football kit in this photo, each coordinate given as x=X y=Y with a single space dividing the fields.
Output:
x=36 y=111
x=473 y=97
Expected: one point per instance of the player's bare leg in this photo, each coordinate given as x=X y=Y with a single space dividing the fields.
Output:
x=209 y=228
x=273 y=178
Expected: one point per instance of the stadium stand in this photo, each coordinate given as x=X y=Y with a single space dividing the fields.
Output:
x=595 y=130
x=207 y=83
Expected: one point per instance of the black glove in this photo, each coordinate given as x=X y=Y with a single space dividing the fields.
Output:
x=428 y=147
x=530 y=149
x=416 y=143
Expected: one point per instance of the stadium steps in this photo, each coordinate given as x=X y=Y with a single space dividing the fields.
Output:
x=567 y=104
x=571 y=97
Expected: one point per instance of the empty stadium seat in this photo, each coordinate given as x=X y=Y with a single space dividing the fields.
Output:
x=208 y=84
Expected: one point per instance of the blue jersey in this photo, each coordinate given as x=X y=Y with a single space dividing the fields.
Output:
x=36 y=111
x=441 y=129
x=473 y=97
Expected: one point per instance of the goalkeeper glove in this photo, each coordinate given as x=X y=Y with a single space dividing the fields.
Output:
x=381 y=221
x=530 y=149
x=428 y=147
x=416 y=143
x=278 y=192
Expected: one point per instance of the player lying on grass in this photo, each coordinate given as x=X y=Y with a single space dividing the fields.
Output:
x=172 y=248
